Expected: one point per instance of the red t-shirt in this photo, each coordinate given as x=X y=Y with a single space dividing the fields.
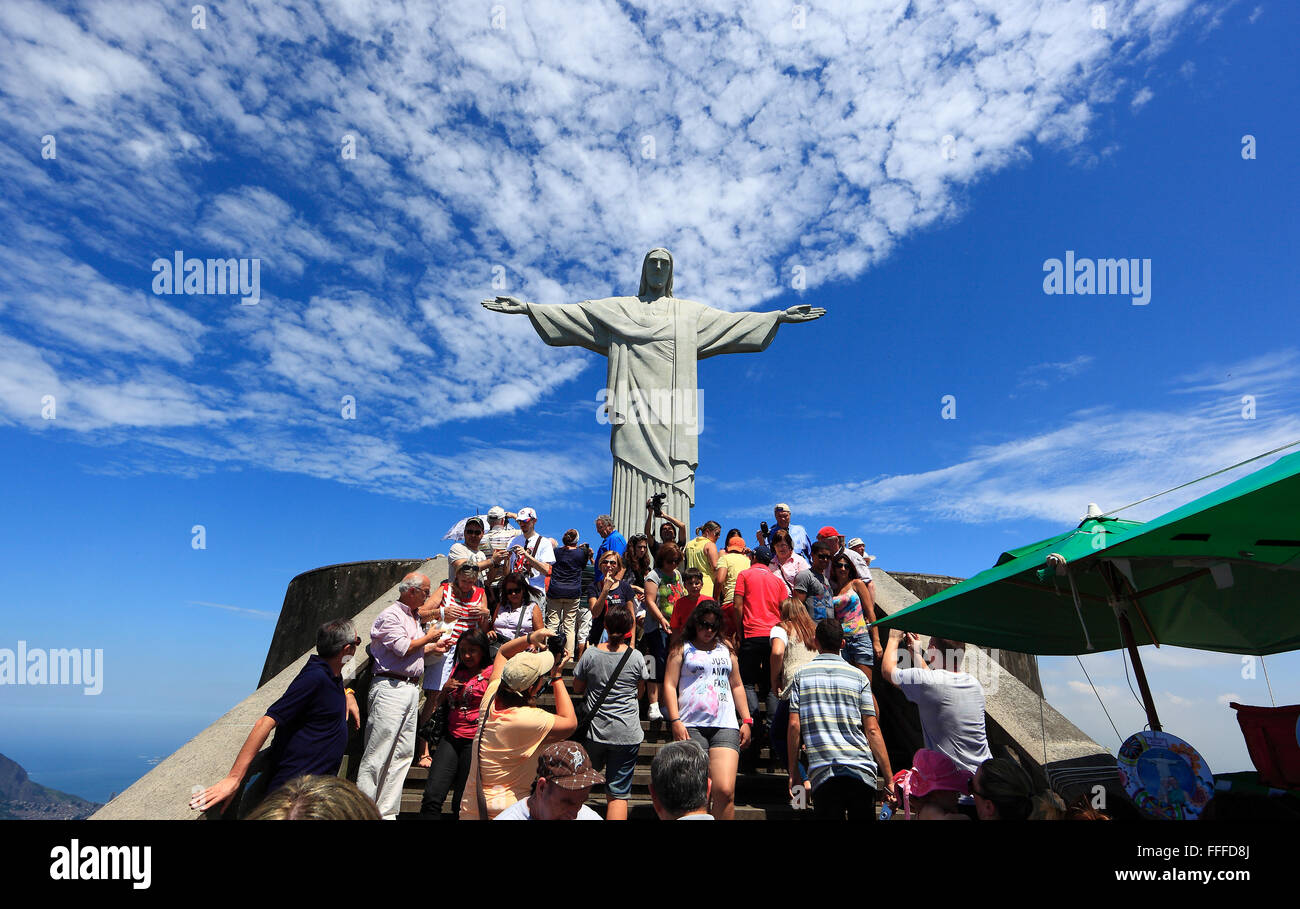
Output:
x=463 y=703
x=764 y=593
x=683 y=608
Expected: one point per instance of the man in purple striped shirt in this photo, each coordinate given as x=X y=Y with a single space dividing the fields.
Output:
x=397 y=652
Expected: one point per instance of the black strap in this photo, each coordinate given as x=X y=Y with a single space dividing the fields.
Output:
x=478 y=759
x=781 y=574
x=586 y=724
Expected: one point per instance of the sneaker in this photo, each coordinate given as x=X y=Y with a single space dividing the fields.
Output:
x=654 y=713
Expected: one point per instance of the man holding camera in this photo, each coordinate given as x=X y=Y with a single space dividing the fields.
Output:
x=671 y=531
x=512 y=728
x=798 y=535
x=533 y=553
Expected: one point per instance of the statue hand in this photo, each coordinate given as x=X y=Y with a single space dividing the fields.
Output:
x=802 y=313
x=506 y=305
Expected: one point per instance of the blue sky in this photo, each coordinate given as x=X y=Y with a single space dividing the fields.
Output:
x=524 y=146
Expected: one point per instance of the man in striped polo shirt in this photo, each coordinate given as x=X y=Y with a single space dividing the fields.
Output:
x=831 y=710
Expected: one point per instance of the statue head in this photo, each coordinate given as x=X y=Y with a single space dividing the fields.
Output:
x=657 y=274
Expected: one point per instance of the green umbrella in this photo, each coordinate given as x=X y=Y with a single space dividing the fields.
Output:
x=1219 y=573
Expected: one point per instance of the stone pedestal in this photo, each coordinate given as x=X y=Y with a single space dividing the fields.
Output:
x=630 y=489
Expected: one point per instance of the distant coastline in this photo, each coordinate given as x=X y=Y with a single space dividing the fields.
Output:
x=24 y=799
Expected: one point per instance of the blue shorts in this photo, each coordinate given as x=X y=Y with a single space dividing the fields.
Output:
x=858 y=650
x=617 y=762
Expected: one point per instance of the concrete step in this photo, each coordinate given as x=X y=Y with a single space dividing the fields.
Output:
x=764 y=762
x=639 y=809
x=761 y=792
x=758 y=787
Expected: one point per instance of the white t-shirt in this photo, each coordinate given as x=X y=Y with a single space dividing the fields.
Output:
x=508 y=622
x=952 y=713
x=545 y=553
x=704 y=688
x=519 y=812
x=460 y=551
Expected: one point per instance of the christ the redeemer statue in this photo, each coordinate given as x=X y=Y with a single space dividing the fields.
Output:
x=653 y=341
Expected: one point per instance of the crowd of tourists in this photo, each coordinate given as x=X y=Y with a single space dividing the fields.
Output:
x=732 y=645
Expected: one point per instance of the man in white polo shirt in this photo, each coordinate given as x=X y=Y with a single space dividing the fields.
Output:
x=531 y=552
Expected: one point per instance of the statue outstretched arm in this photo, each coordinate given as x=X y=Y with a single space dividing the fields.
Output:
x=507 y=305
x=801 y=313
x=558 y=324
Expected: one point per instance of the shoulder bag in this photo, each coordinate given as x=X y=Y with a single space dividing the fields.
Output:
x=584 y=715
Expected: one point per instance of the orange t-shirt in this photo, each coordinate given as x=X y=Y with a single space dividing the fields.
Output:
x=511 y=738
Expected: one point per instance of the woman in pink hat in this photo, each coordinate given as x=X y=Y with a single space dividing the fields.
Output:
x=930 y=789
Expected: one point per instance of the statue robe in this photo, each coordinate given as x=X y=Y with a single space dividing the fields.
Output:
x=652 y=350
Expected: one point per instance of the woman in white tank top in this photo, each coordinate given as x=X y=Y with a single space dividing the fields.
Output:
x=703 y=694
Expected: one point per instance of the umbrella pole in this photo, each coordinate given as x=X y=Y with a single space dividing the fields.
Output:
x=1109 y=572
x=1126 y=630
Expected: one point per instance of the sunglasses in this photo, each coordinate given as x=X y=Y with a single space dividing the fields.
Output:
x=707 y=626
x=514 y=590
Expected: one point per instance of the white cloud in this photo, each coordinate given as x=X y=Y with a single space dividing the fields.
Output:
x=1041 y=375
x=1182 y=658
x=773 y=146
x=1109 y=456
x=1265 y=374
x=1106 y=691
x=1142 y=96
x=256 y=613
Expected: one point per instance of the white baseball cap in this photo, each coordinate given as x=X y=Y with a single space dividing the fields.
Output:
x=527 y=514
x=496 y=513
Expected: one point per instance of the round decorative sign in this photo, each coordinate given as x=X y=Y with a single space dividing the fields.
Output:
x=1164 y=776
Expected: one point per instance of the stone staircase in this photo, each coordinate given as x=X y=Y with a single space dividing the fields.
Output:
x=761 y=792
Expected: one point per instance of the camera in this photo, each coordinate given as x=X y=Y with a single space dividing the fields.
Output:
x=658 y=499
x=555 y=644
x=763 y=527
